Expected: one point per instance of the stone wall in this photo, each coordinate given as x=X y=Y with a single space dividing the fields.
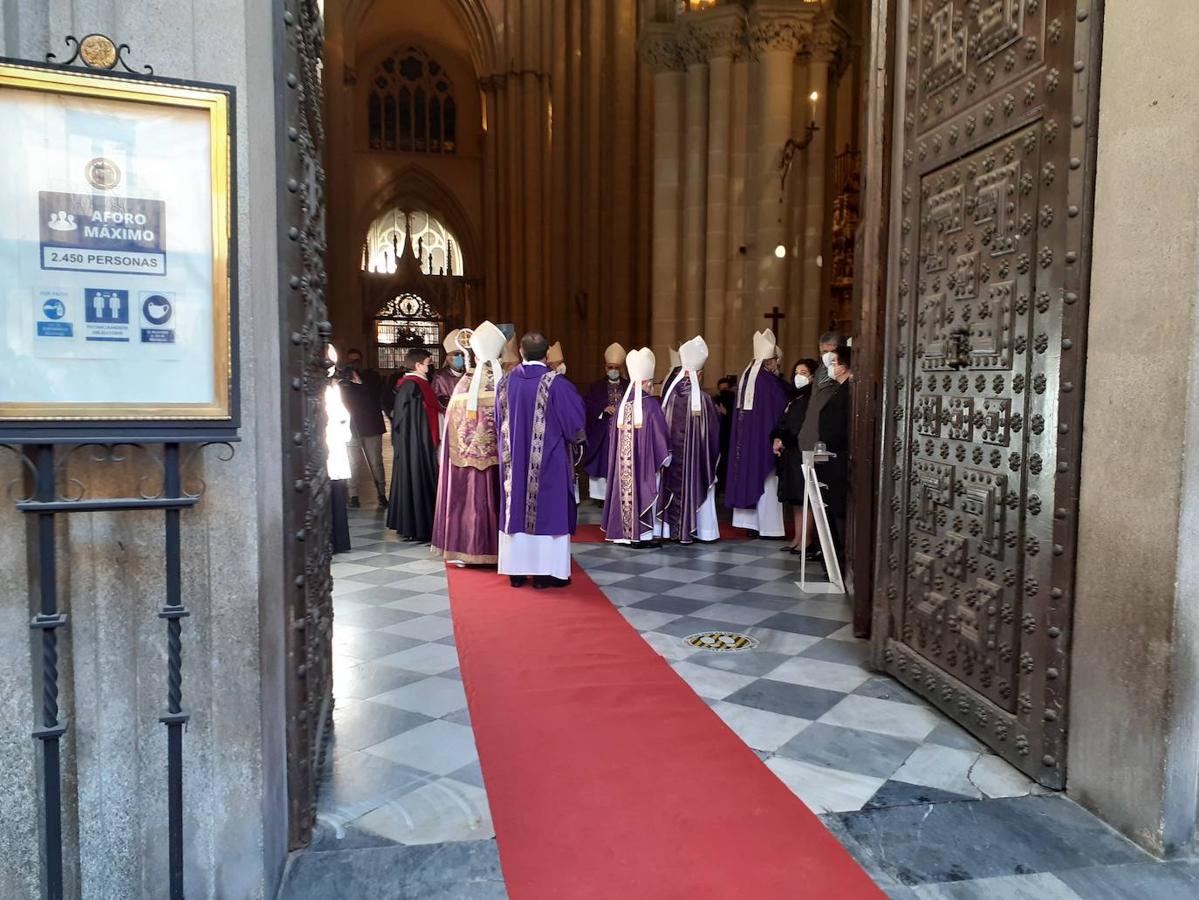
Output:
x=1134 y=735
x=114 y=670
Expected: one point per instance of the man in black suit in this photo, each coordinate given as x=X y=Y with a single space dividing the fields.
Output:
x=362 y=389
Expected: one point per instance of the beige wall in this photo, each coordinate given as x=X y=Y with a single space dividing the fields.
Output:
x=1134 y=739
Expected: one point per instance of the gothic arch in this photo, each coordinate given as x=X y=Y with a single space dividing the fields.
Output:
x=416 y=188
x=471 y=15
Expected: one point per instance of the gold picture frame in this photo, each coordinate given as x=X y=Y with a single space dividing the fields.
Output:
x=149 y=95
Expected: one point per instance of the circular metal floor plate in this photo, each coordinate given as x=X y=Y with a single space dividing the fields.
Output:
x=721 y=641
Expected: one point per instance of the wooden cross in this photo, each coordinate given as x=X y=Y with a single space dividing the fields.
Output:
x=774 y=315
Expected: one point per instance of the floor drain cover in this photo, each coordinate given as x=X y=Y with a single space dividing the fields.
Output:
x=721 y=641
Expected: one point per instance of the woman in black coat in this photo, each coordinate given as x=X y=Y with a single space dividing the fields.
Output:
x=786 y=447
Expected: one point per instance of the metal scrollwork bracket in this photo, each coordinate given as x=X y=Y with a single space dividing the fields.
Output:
x=98 y=51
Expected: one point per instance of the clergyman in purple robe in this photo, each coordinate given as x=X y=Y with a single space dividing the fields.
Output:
x=466 y=527
x=687 y=498
x=540 y=418
x=601 y=401
x=639 y=447
x=752 y=488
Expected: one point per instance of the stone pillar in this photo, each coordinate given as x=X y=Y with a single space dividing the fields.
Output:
x=111 y=661
x=661 y=51
x=1134 y=729
x=811 y=173
x=775 y=37
x=735 y=333
x=695 y=195
x=722 y=32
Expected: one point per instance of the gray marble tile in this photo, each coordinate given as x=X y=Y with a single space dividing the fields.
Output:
x=358 y=782
x=743 y=662
x=987 y=839
x=1150 y=881
x=370 y=644
x=382 y=577
x=369 y=680
x=864 y=752
x=883 y=687
x=730 y=582
x=786 y=699
x=1013 y=887
x=801 y=624
x=679 y=606
x=372 y=617
x=689 y=625
x=360 y=724
x=856 y=653
x=897 y=793
x=372 y=595
x=627 y=566
x=949 y=734
x=706 y=593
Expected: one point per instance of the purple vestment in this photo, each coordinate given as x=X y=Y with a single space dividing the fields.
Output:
x=600 y=396
x=466 y=528
x=751 y=457
x=444 y=381
x=695 y=453
x=540 y=418
x=635 y=458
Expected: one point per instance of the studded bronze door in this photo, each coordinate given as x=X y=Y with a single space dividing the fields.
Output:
x=305 y=332
x=994 y=140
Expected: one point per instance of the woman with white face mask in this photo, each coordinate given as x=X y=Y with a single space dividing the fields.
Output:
x=786 y=446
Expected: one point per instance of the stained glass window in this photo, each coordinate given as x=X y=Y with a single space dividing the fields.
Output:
x=441 y=252
x=411 y=106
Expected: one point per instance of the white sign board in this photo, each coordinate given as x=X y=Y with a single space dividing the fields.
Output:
x=114 y=243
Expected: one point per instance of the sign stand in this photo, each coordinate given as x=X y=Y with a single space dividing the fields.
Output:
x=813 y=500
x=44 y=501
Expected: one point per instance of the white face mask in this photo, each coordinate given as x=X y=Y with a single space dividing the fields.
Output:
x=834 y=371
x=801 y=381
x=614 y=374
x=829 y=359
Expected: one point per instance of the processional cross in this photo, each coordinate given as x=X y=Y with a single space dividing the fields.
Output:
x=774 y=315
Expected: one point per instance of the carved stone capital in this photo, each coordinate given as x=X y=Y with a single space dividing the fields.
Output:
x=780 y=27
x=659 y=48
x=720 y=32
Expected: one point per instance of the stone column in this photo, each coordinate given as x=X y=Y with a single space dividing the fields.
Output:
x=734 y=333
x=810 y=170
x=695 y=191
x=722 y=32
x=776 y=34
x=660 y=50
x=1134 y=697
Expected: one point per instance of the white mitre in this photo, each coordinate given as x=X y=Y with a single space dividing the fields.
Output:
x=764 y=345
x=615 y=355
x=764 y=349
x=641 y=364
x=692 y=357
x=451 y=342
x=487 y=343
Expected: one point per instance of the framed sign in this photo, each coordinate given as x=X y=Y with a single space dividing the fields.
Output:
x=117 y=308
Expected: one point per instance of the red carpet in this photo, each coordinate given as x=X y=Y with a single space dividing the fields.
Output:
x=608 y=777
x=593 y=534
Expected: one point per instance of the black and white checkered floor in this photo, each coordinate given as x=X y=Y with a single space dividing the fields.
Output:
x=923 y=806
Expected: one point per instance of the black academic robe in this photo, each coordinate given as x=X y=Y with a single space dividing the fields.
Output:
x=790 y=464
x=414 y=465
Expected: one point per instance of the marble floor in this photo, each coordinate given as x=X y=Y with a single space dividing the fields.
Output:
x=926 y=809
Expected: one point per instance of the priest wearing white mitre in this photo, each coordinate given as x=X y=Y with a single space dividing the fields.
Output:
x=752 y=489
x=687 y=498
x=540 y=418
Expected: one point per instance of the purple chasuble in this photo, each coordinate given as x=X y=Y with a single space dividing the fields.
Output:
x=751 y=457
x=444 y=381
x=600 y=396
x=466 y=527
x=695 y=452
x=636 y=455
x=540 y=418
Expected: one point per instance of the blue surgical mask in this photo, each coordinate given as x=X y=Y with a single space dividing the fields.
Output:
x=614 y=374
x=457 y=363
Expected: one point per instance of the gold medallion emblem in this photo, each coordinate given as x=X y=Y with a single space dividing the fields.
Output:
x=98 y=52
x=102 y=174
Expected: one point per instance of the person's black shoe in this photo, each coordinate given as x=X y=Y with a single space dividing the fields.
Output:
x=814 y=555
x=518 y=580
x=544 y=582
x=354 y=504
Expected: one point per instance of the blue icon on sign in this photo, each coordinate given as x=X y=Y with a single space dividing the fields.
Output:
x=54 y=309
x=157 y=309
x=106 y=307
